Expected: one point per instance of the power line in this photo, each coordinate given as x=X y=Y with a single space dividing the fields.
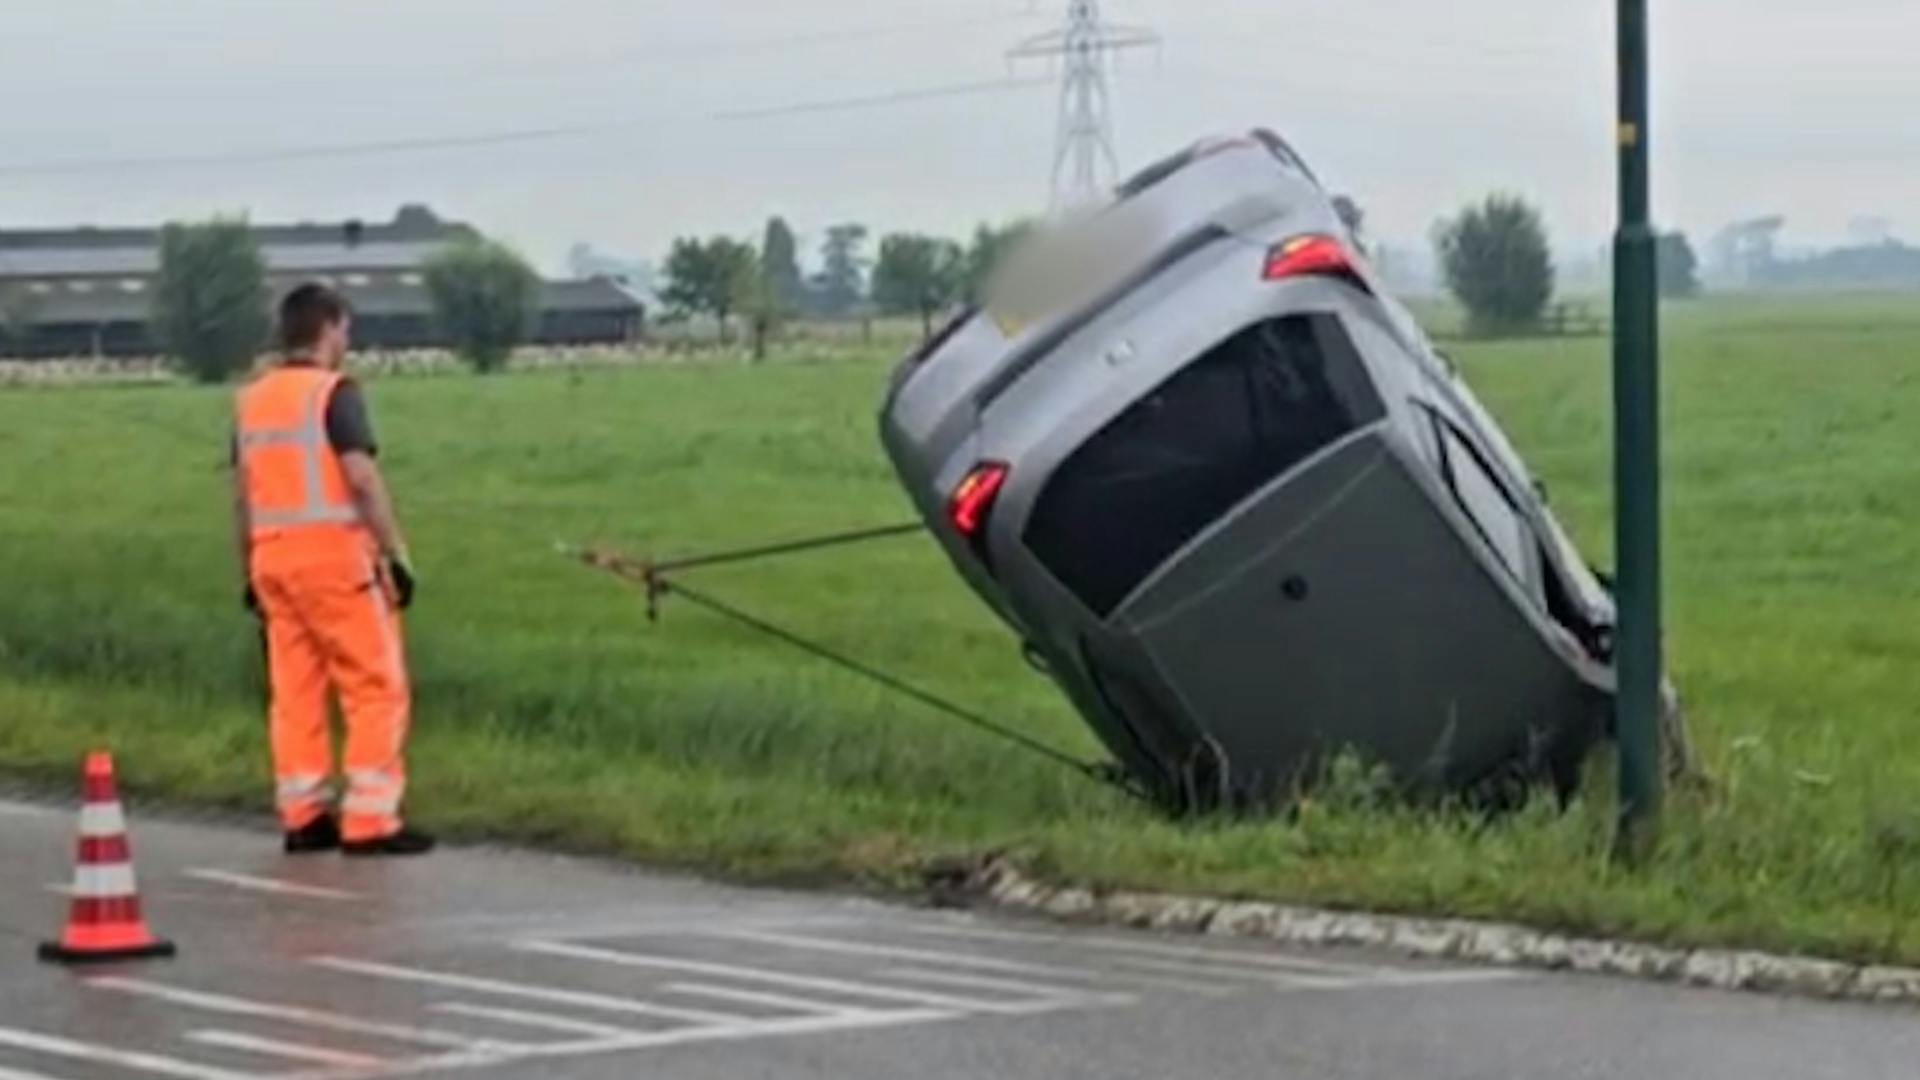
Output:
x=898 y=97
x=386 y=147
x=304 y=153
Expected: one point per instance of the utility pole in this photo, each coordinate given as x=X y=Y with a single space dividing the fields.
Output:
x=1636 y=398
x=1084 y=162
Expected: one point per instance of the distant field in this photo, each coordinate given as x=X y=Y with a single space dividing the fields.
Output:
x=550 y=711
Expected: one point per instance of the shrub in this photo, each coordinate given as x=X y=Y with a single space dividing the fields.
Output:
x=210 y=300
x=1497 y=263
x=484 y=297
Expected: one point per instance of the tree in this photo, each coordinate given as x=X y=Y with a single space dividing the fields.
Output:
x=735 y=266
x=766 y=301
x=988 y=253
x=780 y=263
x=918 y=274
x=709 y=277
x=685 y=290
x=1679 y=267
x=210 y=299
x=841 y=282
x=1497 y=263
x=484 y=299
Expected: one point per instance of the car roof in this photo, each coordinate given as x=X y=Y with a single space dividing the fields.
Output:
x=1152 y=175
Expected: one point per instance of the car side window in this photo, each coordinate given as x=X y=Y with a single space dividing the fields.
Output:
x=1487 y=503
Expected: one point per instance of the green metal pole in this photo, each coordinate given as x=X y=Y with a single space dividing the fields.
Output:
x=1636 y=392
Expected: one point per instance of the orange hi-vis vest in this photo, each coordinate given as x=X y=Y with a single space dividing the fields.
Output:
x=298 y=501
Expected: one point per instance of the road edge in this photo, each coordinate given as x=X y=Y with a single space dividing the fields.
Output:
x=998 y=882
x=1001 y=884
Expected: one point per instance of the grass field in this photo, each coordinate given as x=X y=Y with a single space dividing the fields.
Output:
x=550 y=711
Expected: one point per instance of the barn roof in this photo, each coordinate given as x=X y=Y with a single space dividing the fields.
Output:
x=414 y=234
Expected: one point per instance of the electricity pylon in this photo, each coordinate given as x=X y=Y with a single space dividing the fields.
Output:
x=1084 y=162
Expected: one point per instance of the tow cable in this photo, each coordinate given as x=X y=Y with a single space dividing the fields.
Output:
x=658 y=580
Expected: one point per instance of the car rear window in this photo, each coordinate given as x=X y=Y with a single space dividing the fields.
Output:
x=1195 y=447
x=1153 y=174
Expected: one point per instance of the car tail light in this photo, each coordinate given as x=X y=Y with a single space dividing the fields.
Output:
x=973 y=500
x=1311 y=256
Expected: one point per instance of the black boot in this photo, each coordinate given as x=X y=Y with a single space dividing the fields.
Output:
x=320 y=834
x=407 y=841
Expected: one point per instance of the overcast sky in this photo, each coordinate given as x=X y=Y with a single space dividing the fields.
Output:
x=1765 y=106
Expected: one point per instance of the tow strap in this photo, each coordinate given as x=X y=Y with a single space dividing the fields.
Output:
x=657 y=580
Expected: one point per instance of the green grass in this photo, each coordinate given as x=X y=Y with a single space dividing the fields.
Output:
x=550 y=711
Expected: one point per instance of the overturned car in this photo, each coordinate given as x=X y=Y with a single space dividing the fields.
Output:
x=1239 y=508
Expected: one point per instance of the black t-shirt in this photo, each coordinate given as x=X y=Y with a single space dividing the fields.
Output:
x=349 y=427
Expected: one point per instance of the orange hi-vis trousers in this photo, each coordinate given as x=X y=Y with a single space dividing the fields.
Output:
x=332 y=626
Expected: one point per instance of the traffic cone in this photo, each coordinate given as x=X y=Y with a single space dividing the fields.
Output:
x=105 y=922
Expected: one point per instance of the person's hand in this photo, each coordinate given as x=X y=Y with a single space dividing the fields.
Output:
x=402 y=575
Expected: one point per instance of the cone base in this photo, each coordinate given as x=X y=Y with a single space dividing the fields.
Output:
x=53 y=952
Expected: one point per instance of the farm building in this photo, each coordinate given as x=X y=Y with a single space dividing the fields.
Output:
x=88 y=292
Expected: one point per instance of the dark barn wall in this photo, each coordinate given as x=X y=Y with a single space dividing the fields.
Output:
x=400 y=331
x=50 y=340
x=611 y=327
x=133 y=338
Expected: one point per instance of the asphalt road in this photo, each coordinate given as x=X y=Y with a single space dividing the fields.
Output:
x=494 y=964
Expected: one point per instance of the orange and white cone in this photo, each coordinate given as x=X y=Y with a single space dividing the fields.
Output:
x=105 y=923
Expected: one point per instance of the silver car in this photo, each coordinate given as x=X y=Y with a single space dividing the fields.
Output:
x=1239 y=508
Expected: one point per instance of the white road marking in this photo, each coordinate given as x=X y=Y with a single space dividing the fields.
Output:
x=315 y=1055
x=531 y=992
x=1145 y=948
x=771 y=1001
x=566 y=1025
x=329 y=1021
x=808 y=1025
x=928 y=956
x=776 y=978
x=611 y=922
x=270 y=885
x=892 y=952
x=20 y=809
x=134 y=1060
x=1009 y=986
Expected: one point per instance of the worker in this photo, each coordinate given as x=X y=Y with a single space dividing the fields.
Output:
x=327 y=571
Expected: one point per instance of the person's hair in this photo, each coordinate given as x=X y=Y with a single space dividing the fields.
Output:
x=306 y=313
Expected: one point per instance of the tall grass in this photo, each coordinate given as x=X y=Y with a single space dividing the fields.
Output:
x=551 y=711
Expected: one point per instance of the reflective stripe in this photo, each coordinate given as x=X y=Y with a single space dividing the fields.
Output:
x=374 y=778
x=272 y=437
x=310 y=439
x=371 y=805
x=301 y=790
x=313 y=439
x=102 y=819
x=312 y=515
x=103 y=881
x=374 y=793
